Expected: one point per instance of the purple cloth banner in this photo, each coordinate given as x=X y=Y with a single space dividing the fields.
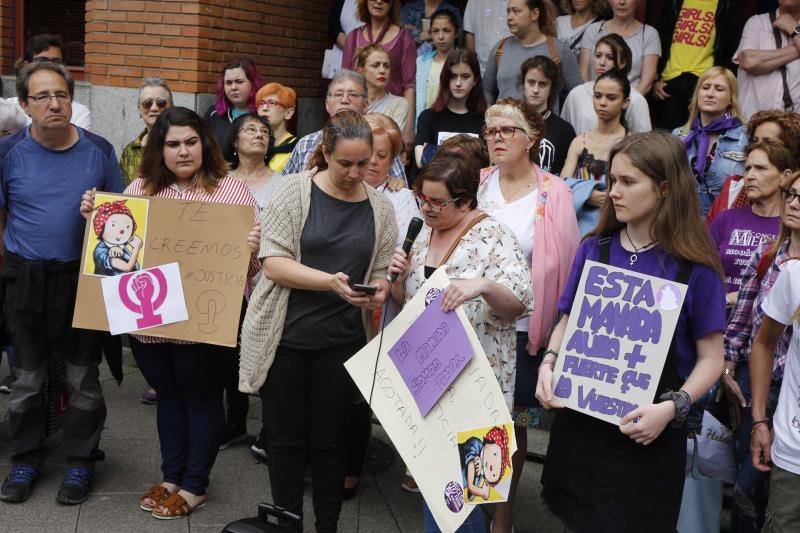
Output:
x=431 y=354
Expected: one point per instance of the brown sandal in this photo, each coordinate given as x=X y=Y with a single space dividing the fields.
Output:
x=157 y=494
x=175 y=507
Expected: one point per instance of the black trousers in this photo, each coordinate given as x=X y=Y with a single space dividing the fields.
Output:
x=237 y=403
x=307 y=400
x=84 y=417
x=674 y=111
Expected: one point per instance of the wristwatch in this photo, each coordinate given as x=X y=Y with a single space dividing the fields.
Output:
x=796 y=31
x=729 y=371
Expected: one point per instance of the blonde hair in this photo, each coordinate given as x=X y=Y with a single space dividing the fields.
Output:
x=524 y=115
x=383 y=125
x=733 y=109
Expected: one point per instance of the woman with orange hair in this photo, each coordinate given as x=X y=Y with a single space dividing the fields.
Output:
x=277 y=104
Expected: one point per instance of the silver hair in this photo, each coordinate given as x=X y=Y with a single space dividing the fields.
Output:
x=349 y=75
x=156 y=81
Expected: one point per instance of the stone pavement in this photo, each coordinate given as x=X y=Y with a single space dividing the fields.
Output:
x=238 y=482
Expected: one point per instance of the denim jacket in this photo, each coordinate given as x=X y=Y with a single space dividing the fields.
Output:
x=728 y=160
x=423 y=67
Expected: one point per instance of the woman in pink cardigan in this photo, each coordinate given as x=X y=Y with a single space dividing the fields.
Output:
x=382 y=26
x=537 y=207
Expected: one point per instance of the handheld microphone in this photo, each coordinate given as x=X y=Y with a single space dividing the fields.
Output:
x=414 y=228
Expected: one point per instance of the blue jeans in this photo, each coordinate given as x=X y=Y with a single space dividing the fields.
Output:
x=188 y=379
x=749 y=502
x=473 y=524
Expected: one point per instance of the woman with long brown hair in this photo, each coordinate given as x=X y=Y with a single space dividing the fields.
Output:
x=381 y=20
x=182 y=161
x=597 y=476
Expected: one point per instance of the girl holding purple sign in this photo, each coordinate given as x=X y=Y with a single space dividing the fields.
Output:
x=602 y=477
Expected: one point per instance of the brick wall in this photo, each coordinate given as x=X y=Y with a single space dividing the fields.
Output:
x=188 y=41
x=6 y=35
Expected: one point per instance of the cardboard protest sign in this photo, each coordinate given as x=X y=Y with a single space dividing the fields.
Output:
x=430 y=359
x=486 y=463
x=209 y=243
x=144 y=299
x=619 y=331
x=429 y=444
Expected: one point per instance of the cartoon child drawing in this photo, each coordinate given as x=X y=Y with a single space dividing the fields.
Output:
x=119 y=245
x=483 y=462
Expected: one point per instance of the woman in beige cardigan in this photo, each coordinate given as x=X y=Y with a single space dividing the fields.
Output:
x=322 y=232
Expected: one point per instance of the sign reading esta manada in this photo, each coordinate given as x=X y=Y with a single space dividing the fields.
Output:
x=619 y=332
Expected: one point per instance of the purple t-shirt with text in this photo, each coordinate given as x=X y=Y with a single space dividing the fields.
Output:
x=737 y=234
x=703 y=309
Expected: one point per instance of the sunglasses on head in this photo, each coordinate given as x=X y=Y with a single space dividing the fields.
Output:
x=148 y=103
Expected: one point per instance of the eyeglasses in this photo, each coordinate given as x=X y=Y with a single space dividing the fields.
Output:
x=435 y=205
x=252 y=130
x=62 y=97
x=147 y=103
x=789 y=195
x=270 y=104
x=351 y=95
x=43 y=59
x=506 y=132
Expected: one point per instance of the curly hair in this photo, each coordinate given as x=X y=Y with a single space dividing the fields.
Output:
x=598 y=7
x=788 y=121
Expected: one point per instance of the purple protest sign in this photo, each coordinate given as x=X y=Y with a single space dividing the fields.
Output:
x=431 y=354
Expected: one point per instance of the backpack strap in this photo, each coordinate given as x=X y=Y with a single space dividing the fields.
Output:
x=788 y=104
x=457 y=240
x=551 y=46
x=604 y=243
x=499 y=51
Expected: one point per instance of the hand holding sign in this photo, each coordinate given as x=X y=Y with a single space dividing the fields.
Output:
x=646 y=423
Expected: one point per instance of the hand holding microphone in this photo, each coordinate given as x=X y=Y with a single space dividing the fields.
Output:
x=400 y=260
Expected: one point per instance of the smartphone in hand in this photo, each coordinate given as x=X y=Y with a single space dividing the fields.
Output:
x=367 y=289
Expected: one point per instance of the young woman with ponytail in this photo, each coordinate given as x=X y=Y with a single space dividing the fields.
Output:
x=586 y=168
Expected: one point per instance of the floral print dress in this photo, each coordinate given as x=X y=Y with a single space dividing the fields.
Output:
x=488 y=250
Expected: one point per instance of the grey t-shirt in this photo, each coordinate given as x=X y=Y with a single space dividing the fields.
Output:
x=338 y=237
x=502 y=79
x=644 y=42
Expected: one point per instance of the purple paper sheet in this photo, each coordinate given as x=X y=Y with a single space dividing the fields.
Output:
x=431 y=354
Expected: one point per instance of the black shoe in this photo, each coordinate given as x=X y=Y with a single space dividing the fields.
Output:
x=5 y=384
x=349 y=493
x=233 y=435
x=18 y=483
x=75 y=486
x=259 y=451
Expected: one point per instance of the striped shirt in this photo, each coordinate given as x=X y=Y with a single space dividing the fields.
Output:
x=230 y=191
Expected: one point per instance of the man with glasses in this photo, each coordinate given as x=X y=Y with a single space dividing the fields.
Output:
x=347 y=90
x=44 y=170
x=48 y=48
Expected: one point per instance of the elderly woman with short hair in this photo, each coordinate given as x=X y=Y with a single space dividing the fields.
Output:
x=154 y=97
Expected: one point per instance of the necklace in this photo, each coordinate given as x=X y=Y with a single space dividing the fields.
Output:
x=512 y=197
x=636 y=249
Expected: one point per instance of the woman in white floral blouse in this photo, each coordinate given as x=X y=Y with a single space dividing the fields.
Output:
x=489 y=274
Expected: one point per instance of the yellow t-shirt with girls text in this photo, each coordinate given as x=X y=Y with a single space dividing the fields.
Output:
x=692 y=48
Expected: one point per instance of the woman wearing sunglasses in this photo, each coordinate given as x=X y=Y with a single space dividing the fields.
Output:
x=154 y=97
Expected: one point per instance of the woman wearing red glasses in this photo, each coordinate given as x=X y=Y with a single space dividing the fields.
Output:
x=154 y=97
x=537 y=207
